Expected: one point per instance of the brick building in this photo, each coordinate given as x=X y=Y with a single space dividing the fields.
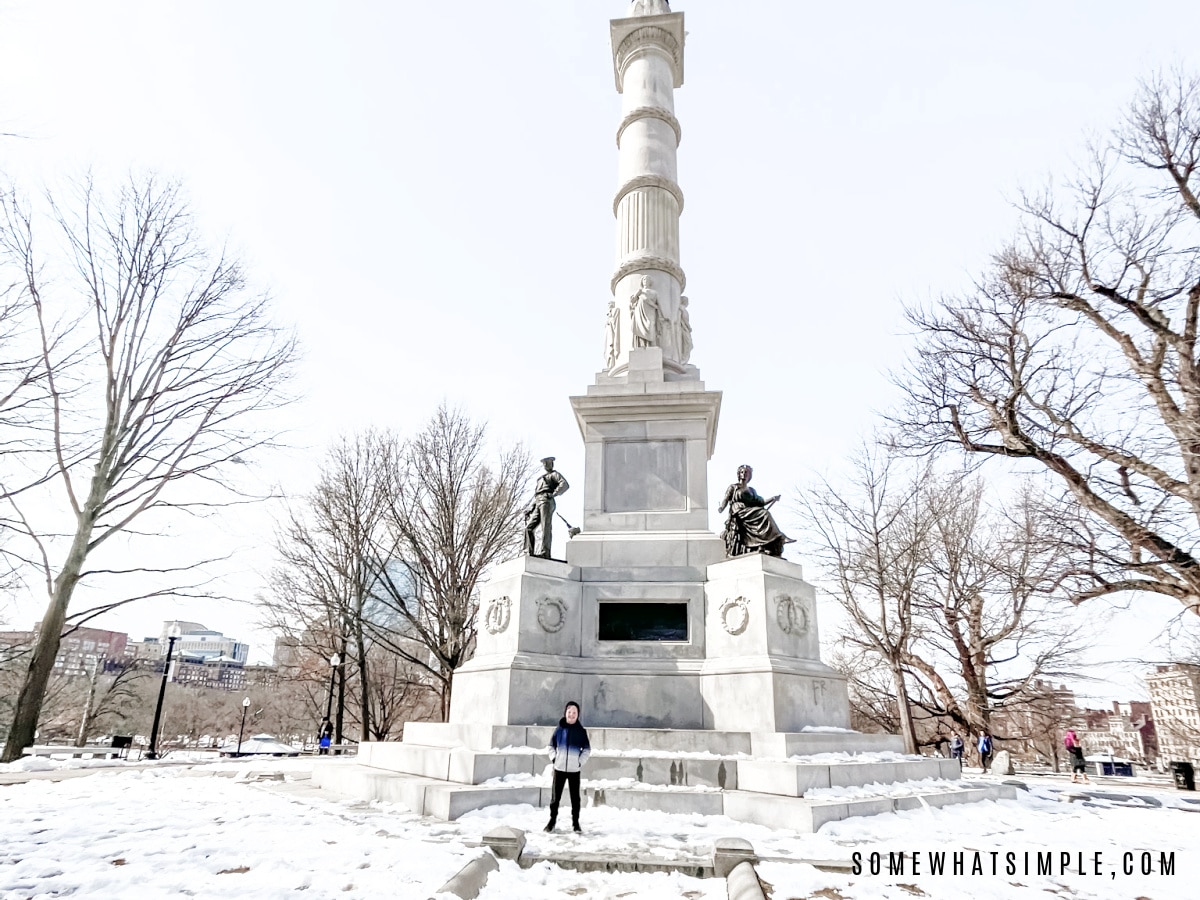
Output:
x=78 y=651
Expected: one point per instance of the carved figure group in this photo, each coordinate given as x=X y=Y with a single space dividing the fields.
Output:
x=648 y=326
x=750 y=527
x=540 y=512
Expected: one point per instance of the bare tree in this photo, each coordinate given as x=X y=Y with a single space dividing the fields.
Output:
x=994 y=628
x=452 y=515
x=399 y=692
x=873 y=706
x=330 y=551
x=153 y=359
x=953 y=599
x=113 y=692
x=871 y=540
x=1077 y=351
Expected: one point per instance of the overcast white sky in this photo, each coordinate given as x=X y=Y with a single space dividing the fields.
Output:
x=426 y=189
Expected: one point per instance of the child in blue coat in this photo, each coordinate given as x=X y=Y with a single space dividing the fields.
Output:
x=569 y=749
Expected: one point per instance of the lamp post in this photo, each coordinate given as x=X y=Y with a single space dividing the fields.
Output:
x=172 y=637
x=242 y=729
x=334 y=661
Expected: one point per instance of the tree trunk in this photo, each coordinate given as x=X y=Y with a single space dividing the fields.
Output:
x=45 y=649
x=341 y=697
x=907 y=728
x=447 y=684
x=363 y=687
x=85 y=723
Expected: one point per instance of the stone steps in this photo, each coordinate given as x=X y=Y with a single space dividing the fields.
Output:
x=445 y=770
x=719 y=743
x=789 y=777
x=793 y=778
x=435 y=797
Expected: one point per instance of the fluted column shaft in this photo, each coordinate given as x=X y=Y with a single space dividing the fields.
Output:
x=648 y=64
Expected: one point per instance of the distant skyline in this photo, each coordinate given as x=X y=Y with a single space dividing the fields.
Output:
x=426 y=190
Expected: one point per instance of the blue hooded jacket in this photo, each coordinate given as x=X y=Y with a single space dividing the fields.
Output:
x=569 y=746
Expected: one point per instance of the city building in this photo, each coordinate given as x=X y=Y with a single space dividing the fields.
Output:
x=80 y=651
x=198 y=640
x=261 y=675
x=145 y=650
x=1125 y=731
x=220 y=673
x=1032 y=729
x=287 y=654
x=1175 y=701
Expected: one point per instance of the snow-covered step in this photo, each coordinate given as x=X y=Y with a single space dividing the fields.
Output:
x=422 y=795
x=457 y=764
x=809 y=814
x=797 y=777
x=780 y=745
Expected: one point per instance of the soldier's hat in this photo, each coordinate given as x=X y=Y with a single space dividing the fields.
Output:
x=546 y=459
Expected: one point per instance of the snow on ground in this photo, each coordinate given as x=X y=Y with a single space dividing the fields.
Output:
x=166 y=831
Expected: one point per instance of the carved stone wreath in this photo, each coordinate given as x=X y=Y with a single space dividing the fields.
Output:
x=495 y=620
x=791 y=615
x=735 y=615
x=551 y=614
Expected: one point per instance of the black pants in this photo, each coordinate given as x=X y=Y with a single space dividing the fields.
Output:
x=561 y=778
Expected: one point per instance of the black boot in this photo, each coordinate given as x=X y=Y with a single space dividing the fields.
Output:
x=549 y=826
x=575 y=827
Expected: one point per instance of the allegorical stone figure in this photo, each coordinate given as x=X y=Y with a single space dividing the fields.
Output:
x=750 y=528
x=540 y=512
x=685 y=331
x=612 y=335
x=644 y=315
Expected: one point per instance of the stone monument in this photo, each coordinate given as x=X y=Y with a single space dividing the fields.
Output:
x=671 y=644
x=648 y=623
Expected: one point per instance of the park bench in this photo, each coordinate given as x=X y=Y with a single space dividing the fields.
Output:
x=338 y=750
x=49 y=750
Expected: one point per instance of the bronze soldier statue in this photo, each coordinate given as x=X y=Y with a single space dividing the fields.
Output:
x=541 y=510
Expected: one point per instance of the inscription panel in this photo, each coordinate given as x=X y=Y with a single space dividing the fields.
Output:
x=644 y=476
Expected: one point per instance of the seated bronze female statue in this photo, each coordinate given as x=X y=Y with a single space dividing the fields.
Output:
x=750 y=528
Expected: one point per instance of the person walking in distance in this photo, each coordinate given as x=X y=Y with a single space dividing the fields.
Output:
x=985 y=750
x=569 y=750
x=956 y=747
x=1078 y=764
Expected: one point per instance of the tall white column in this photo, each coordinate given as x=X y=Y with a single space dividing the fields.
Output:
x=648 y=65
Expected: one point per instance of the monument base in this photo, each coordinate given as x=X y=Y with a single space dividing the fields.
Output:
x=748 y=630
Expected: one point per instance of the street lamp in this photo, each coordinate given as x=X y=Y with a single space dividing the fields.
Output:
x=334 y=662
x=172 y=637
x=241 y=731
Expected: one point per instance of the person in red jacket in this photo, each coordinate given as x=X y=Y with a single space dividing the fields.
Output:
x=1078 y=765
